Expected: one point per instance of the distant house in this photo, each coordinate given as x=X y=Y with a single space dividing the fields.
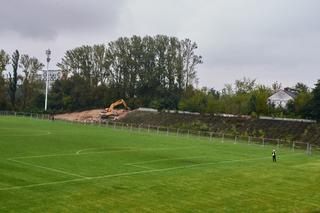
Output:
x=282 y=97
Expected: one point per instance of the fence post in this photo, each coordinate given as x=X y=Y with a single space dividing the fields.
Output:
x=198 y=134
x=188 y=133
x=177 y=132
x=262 y=141
x=131 y=127
x=158 y=130
x=278 y=140
x=235 y=139
x=222 y=138
x=167 y=131
x=249 y=140
x=148 y=128
x=310 y=149
x=293 y=144
x=211 y=136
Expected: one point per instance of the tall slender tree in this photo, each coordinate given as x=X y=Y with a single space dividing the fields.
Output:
x=4 y=61
x=30 y=67
x=190 y=60
x=13 y=78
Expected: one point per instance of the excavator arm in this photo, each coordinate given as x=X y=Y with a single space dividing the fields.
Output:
x=110 y=110
x=117 y=103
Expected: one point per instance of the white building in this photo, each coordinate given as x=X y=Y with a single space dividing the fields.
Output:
x=282 y=97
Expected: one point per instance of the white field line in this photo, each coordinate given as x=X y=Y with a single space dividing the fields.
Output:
x=139 y=150
x=82 y=150
x=47 y=168
x=29 y=135
x=128 y=173
x=101 y=148
x=107 y=151
x=166 y=159
x=142 y=167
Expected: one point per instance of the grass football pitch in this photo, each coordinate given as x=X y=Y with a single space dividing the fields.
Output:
x=55 y=166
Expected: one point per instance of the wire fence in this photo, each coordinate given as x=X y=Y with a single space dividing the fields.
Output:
x=308 y=148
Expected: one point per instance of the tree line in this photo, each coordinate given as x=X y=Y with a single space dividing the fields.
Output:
x=145 y=71
x=20 y=88
x=158 y=72
x=246 y=97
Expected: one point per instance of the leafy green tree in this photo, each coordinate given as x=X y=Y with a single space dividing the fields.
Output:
x=262 y=93
x=252 y=104
x=276 y=86
x=301 y=87
x=194 y=101
x=4 y=61
x=244 y=85
x=214 y=104
x=313 y=107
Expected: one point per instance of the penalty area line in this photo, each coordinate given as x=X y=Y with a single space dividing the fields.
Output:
x=46 y=168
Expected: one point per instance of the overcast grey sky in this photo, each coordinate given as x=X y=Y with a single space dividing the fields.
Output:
x=270 y=40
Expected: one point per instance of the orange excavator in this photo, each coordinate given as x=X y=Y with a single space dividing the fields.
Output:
x=111 y=112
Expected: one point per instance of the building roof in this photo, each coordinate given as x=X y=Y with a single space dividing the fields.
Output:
x=283 y=95
x=291 y=92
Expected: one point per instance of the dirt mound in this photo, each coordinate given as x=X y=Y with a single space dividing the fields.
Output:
x=89 y=115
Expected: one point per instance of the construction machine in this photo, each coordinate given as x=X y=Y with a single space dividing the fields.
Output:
x=111 y=112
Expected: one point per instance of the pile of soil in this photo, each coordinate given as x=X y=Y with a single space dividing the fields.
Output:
x=89 y=115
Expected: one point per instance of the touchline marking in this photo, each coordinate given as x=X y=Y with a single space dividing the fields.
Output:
x=46 y=168
x=128 y=174
x=107 y=151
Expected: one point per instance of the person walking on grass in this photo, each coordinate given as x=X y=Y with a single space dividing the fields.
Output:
x=274 y=158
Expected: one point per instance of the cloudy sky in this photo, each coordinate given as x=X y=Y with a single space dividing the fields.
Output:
x=270 y=40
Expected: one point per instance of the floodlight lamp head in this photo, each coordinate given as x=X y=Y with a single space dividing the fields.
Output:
x=48 y=53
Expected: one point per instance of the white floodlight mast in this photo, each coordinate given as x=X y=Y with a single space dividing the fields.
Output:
x=48 y=53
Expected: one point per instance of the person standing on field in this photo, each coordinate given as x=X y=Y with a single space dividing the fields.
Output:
x=274 y=158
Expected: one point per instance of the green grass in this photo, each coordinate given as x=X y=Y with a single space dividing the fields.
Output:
x=61 y=167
